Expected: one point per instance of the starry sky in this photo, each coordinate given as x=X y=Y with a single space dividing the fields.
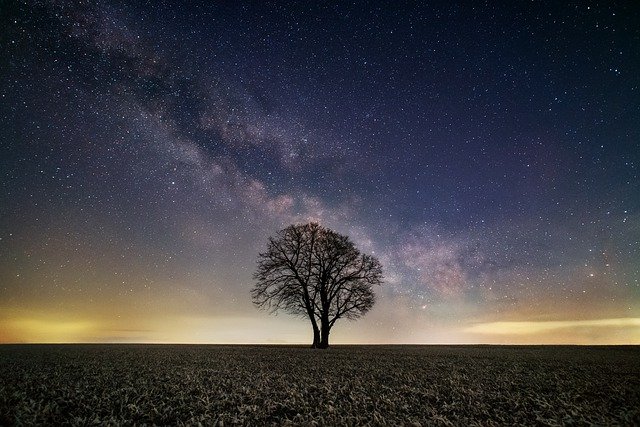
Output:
x=486 y=153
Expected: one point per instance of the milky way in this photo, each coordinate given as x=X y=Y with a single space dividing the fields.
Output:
x=487 y=155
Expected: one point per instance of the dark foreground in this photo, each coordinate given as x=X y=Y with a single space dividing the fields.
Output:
x=223 y=385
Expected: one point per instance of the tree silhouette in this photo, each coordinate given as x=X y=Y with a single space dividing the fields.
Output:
x=313 y=272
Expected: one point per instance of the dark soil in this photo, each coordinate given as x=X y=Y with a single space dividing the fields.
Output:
x=344 y=385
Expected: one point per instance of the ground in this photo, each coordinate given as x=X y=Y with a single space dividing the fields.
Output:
x=345 y=385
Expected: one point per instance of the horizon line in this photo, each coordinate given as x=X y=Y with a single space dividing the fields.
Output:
x=332 y=345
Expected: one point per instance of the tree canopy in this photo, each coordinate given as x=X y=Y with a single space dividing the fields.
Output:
x=313 y=272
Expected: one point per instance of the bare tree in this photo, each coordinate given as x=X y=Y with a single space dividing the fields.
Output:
x=316 y=273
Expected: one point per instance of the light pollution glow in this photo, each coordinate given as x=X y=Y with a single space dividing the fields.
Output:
x=230 y=329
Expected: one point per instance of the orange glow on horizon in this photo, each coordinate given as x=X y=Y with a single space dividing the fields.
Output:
x=260 y=329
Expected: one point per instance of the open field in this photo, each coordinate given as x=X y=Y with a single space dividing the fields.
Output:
x=223 y=385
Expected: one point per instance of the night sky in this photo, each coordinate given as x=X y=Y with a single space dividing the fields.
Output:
x=487 y=154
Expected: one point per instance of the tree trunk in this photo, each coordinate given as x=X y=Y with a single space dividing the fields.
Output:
x=316 y=337
x=324 y=335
